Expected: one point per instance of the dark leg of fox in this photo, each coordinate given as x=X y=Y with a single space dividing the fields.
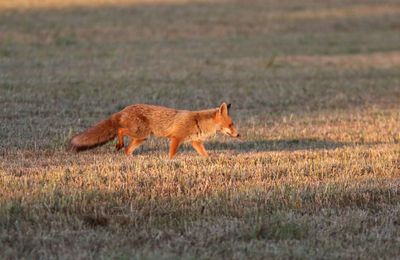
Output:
x=121 y=132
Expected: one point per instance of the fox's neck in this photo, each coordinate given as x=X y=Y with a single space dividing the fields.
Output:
x=206 y=122
x=206 y=114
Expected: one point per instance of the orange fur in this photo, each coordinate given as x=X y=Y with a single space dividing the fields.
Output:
x=141 y=120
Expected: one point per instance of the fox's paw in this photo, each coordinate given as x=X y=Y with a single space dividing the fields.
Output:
x=118 y=147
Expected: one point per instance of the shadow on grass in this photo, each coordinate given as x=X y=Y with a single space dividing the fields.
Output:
x=255 y=145
x=276 y=145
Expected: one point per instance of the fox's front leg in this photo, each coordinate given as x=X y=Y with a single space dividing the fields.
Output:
x=199 y=147
x=173 y=147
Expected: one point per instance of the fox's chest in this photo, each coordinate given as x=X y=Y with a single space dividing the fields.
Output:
x=201 y=136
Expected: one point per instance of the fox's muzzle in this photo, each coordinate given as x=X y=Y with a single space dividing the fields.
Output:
x=235 y=135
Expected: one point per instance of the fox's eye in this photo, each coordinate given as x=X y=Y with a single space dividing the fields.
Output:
x=231 y=124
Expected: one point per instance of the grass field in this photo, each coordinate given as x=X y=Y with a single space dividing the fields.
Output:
x=315 y=93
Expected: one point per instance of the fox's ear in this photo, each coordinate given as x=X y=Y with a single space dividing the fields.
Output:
x=229 y=107
x=223 y=109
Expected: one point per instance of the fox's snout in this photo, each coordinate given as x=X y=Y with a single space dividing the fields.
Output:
x=231 y=132
x=236 y=135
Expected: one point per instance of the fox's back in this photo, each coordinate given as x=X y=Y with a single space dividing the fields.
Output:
x=157 y=119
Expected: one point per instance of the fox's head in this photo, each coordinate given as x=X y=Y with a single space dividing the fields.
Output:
x=225 y=122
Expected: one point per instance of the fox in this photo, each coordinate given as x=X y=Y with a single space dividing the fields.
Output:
x=139 y=121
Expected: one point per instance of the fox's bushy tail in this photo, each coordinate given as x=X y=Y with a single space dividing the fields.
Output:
x=97 y=135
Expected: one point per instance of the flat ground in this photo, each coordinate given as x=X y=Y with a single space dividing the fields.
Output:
x=315 y=91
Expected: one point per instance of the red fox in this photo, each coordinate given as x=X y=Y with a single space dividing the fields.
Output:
x=141 y=120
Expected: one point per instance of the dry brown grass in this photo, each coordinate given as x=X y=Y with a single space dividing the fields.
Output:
x=59 y=4
x=315 y=91
x=352 y=61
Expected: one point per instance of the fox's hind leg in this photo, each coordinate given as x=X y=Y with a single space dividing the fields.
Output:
x=199 y=147
x=133 y=145
x=121 y=132
x=138 y=130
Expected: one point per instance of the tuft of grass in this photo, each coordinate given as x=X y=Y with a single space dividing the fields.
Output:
x=65 y=40
x=277 y=227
